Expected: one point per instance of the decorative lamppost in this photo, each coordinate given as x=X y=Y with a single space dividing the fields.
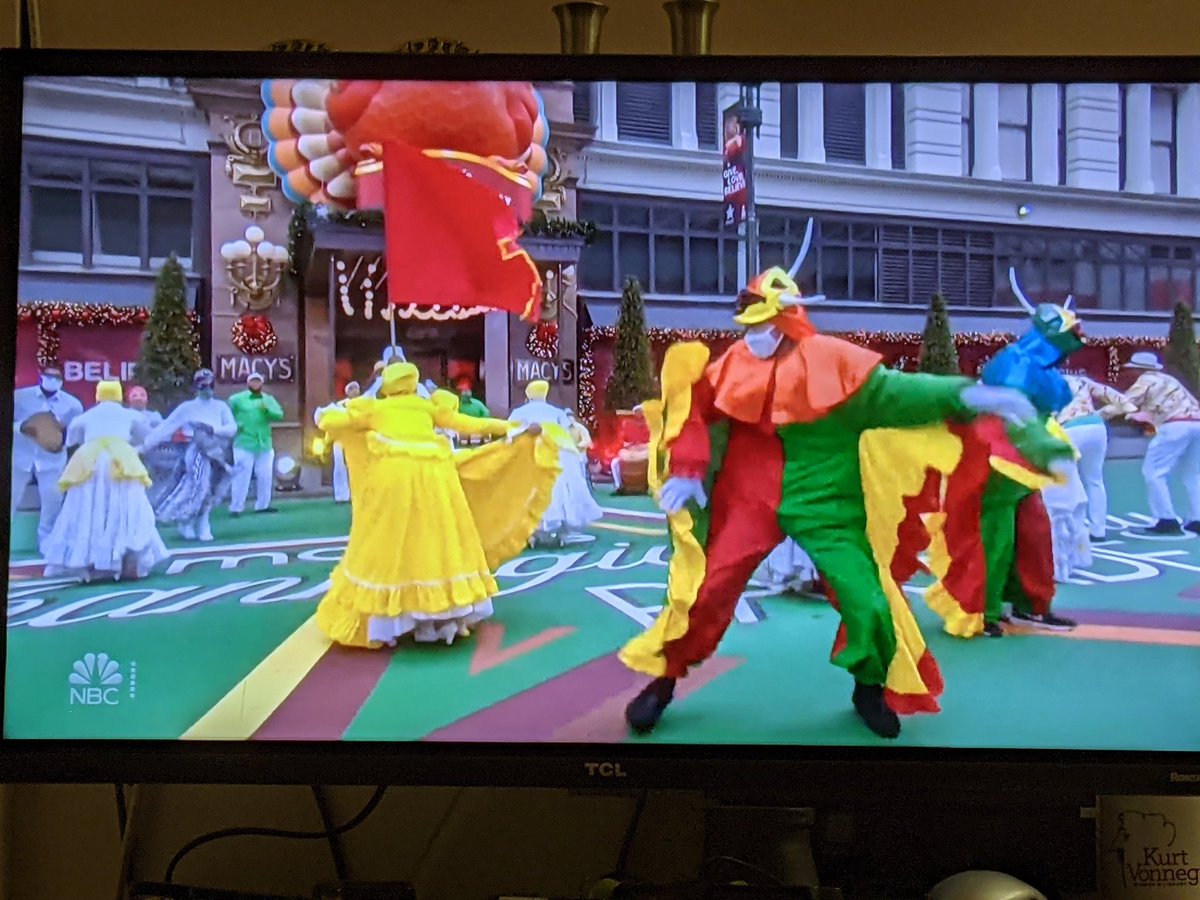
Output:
x=255 y=268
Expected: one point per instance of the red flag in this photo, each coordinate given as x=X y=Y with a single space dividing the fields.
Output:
x=451 y=240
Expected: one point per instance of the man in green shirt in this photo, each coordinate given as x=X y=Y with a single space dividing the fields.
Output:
x=469 y=404
x=253 y=453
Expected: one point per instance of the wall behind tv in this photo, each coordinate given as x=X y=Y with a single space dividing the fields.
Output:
x=59 y=843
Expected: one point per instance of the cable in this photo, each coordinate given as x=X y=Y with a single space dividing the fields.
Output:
x=122 y=810
x=275 y=833
x=335 y=844
x=708 y=865
x=622 y=864
x=423 y=857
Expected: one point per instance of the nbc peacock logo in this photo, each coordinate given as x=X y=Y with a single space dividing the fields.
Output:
x=95 y=680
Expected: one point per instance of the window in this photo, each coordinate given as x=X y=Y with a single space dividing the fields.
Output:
x=1016 y=150
x=706 y=116
x=583 y=102
x=103 y=208
x=644 y=112
x=1163 y=117
x=789 y=121
x=846 y=123
x=968 y=128
x=899 y=132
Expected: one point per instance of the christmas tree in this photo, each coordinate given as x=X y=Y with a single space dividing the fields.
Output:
x=632 y=378
x=1182 y=356
x=168 y=358
x=939 y=356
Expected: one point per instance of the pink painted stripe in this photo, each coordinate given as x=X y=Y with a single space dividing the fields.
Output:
x=324 y=704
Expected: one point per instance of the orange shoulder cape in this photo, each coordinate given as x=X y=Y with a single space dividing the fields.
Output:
x=816 y=374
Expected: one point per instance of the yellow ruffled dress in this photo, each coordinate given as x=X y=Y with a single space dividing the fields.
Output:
x=429 y=525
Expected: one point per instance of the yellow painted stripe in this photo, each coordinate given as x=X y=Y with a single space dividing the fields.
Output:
x=244 y=709
x=1120 y=634
x=630 y=529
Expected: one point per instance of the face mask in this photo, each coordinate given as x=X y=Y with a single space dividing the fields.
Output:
x=764 y=343
x=205 y=393
x=50 y=384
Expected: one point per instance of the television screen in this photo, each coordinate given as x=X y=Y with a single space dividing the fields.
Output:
x=784 y=415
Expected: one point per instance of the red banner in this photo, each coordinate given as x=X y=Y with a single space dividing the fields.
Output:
x=89 y=354
x=735 y=175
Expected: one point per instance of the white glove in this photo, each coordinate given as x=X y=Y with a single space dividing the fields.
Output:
x=1005 y=402
x=515 y=433
x=1060 y=470
x=678 y=491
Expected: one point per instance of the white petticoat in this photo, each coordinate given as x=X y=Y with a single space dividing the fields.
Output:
x=1067 y=506
x=572 y=506
x=788 y=568
x=103 y=522
x=428 y=629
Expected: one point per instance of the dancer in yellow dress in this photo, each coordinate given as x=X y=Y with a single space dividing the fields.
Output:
x=429 y=524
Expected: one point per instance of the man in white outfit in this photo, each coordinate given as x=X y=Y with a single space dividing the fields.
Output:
x=29 y=458
x=1084 y=421
x=253 y=448
x=341 y=475
x=1161 y=403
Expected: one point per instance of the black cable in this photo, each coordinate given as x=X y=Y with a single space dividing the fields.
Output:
x=275 y=833
x=631 y=830
x=122 y=809
x=746 y=867
x=335 y=845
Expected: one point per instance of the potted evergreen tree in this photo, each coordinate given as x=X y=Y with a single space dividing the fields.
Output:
x=168 y=357
x=939 y=356
x=1183 y=357
x=630 y=384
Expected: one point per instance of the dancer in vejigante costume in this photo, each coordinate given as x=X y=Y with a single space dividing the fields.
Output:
x=572 y=506
x=193 y=476
x=770 y=432
x=991 y=542
x=429 y=525
x=106 y=528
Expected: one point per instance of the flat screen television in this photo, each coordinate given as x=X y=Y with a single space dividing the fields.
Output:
x=221 y=570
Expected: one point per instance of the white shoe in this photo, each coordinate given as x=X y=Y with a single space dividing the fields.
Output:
x=187 y=531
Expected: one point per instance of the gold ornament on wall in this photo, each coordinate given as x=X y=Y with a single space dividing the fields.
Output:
x=554 y=183
x=255 y=267
x=435 y=46
x=246 y=165
x=691 y=26
x=579 y=25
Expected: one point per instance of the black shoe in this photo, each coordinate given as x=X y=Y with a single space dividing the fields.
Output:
x=1193 y=527
x=269 y=509
x=992 y=629
x=1162 y=527
x=1049 y=621
x=871 y=707
x=644 y=711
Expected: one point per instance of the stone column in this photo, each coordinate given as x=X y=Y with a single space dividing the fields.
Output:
x=1139 y=175
x=767 y=144
x=985 y=125
x=810 y=117
x=683 y=116
x=1044 y=133
x=1093 y=135
x=606 y=96
x=879 y=125
x=933 y=116
x=1187 y=150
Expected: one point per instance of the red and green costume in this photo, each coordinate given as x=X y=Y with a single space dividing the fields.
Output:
x=777 y=442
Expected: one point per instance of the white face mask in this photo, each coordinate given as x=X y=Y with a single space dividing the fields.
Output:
x=50 y=384
x=763 y=342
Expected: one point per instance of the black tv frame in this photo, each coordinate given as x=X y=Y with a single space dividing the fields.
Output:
x=775 y=774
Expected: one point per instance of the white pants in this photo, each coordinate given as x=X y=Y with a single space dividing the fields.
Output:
x=1092 y=443
x=1176 y=446
x=341 y=475
x=262 y=465
x=49 y=496
x=616 y=474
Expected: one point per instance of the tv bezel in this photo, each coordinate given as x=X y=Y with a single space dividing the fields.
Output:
x=776 y=772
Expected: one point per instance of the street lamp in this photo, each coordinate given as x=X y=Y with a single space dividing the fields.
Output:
x=255 y=268
x=750 y=113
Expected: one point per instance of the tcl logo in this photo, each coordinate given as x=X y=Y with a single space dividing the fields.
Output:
x=604 y=770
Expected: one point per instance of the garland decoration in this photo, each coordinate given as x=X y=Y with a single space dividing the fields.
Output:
x=307 y=214
x=254 y=335
x=50 y=315
x=562 y=229
x=1117 y=348
x=542 y=342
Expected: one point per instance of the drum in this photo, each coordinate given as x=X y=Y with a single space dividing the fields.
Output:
x=45 y=430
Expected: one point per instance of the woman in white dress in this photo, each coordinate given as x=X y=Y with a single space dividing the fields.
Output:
x=341 y=474
x=789 y=568
x=572 y=506
x=106 y=528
